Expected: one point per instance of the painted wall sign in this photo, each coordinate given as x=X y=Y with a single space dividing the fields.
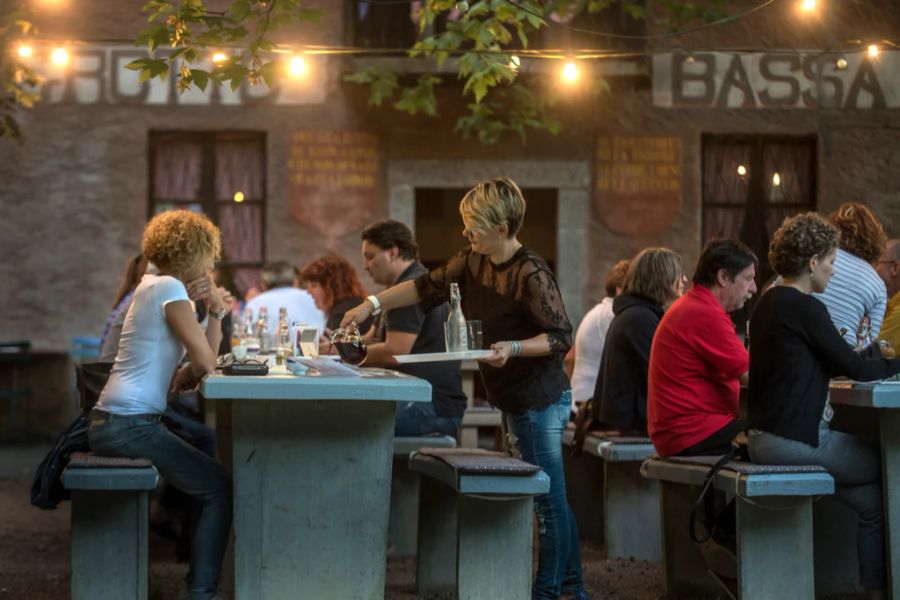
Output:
x=762 y=80
x=637 y=187
x=335 y=179
x=97 y=75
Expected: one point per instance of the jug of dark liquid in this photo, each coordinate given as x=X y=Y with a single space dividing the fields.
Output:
x=350 y=345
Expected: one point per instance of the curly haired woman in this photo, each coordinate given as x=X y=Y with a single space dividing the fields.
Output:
x=793 y=354
x=159 y=326
x=856 y=291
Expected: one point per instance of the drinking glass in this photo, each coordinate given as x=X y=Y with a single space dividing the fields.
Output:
x=473 y=328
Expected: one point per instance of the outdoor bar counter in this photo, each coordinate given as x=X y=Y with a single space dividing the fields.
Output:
x=886 y=398
x=311 y=458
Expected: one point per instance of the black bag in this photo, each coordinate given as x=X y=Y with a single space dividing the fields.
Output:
x=705 y=502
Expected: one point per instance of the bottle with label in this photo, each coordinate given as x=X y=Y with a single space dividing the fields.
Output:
x=262 y=331
x=455 y=328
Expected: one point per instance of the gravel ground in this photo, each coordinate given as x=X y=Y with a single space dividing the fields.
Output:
x=34 y=560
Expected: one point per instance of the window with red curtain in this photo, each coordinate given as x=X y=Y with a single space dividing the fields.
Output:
x=751 y=184
x=222 y=174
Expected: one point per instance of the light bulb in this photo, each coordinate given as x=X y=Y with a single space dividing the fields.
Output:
x=514 y=62
x=219 y=57
x=24 y=51
x=776 y=179
x=742 y=170
x=841 y=63
x=239 y=196
x=59 y=57
x=570 y=72
x=297 y=66
x=808 y=5
x=872 y=50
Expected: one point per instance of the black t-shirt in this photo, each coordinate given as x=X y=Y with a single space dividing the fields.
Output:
x=446 y=384
x=336 y=315
x=516 y=300
x=794 y=350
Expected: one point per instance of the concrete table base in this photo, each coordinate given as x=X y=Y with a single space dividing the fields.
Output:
x=312 y=487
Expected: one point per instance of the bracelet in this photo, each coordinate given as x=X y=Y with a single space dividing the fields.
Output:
x=516 y=348
x=375 y=303
x=218 y=315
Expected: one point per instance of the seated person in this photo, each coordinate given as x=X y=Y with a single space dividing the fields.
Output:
x=390 y=255
x=654 y=281
x=856 y=291
x=109 y=341
x=160 y=325
x=335 y=289
x=279 y=282
x=583 y=360
x=889 y=270
x=697 y=361
x=794 y=353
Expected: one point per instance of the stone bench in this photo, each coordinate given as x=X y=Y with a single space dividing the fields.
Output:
x=404 y=520
x=110 y=515
x=612 y=503
x=475 y=523
x=774 y=525
x=473 y=418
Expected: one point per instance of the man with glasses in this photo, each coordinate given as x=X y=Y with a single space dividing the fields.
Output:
x=888 y=268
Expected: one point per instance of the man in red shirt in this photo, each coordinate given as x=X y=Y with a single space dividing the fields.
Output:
x=697 y=362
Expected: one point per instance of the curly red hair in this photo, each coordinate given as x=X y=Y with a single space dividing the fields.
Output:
x=861 y=232
x=337 y=278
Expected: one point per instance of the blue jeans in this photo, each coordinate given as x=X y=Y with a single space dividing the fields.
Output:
x=537 y=434
x=419 y=418
x=188 y=469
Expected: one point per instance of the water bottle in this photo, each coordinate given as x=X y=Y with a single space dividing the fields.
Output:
x=455 y=328
x=262 y=331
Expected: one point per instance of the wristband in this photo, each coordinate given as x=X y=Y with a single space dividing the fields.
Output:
x=516 y=348
x=375 y=303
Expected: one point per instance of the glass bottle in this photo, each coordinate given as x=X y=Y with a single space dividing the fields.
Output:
x=863 y=333
x=284 y=332
x=262 y=331
x=455 y=328
x=250 y=339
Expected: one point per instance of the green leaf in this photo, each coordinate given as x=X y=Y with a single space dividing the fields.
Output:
x=200 y=78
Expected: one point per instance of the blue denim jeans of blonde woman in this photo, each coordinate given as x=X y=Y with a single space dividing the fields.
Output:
x=856 y=468
x=189 y=470
x=537 y=435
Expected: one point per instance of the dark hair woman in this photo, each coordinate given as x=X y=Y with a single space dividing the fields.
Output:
x=794 y=352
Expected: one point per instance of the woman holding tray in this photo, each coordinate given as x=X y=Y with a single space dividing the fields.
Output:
x=514 y=293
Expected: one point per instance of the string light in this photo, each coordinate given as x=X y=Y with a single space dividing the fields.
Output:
x=841 y=63
x=24 y=51
x=808 y=5
x=59 y=57
x=219 y=57
x=872 y=50
x=570 y=72
x=741 y=170
x=297 y=66
x=514 y=62
x=239 y=196
x=776 y=179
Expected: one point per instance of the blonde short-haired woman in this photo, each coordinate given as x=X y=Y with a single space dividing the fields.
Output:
x=514 y=293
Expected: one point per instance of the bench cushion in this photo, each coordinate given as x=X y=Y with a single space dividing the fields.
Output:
x=742 y=478
x=476 y=471
x=90 y=472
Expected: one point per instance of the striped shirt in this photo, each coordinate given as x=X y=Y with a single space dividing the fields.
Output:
x=855 y=291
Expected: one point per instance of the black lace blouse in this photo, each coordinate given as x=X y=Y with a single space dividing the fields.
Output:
x=515 y=300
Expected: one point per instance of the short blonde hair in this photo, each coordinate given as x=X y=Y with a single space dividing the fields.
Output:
x=494 y=202
x=653 y=274
x=176 y=239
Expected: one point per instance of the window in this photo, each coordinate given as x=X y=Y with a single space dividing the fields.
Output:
x=751 y=184
x=221 y=174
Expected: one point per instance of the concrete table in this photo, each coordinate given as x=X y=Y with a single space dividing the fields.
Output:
x=884 y=396
x=311 y=462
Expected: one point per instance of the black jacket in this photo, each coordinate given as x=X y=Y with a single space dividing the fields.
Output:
x=620 y=395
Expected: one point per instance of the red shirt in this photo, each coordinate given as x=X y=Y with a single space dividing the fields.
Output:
x=695 y=362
